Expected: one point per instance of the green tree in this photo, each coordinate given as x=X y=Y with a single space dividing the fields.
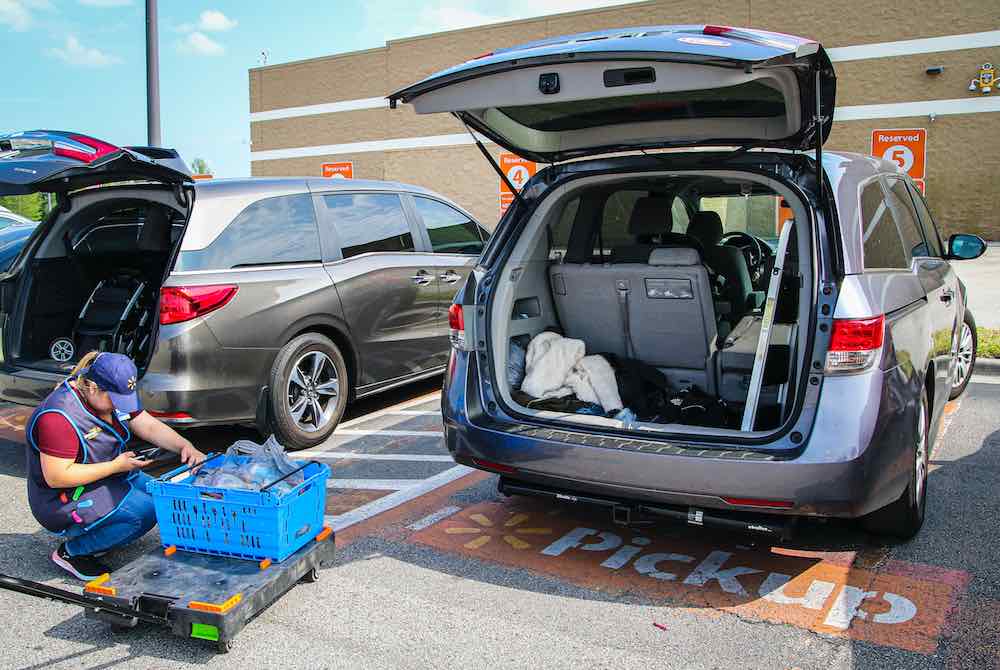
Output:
x=199 y=166
x=33 y=206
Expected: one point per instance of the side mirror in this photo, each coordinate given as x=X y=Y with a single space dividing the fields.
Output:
x=964 y=247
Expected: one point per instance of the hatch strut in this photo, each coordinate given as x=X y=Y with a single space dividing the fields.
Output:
x=766 y=322
x=493 y=163
x=818 y=125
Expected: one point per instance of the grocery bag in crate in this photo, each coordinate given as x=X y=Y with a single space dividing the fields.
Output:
x=252 y=502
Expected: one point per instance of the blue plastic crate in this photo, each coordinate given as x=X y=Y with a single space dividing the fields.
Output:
x=237 y=522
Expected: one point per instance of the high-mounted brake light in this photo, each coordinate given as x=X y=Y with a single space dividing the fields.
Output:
x=84 y=148
x=456 y=327
x=855 y=344
x=183 y=303
x=717 y=30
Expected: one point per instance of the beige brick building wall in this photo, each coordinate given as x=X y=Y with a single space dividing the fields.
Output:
x=963 y=150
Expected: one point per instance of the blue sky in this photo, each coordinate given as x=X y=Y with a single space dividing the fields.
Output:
x=80 y=64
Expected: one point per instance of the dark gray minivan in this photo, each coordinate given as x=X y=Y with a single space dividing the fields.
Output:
x=784 y=322
x=273 y=301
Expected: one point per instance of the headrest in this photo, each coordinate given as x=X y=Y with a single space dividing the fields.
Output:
x=706 y=227
x=674 y=256
x=650 y=216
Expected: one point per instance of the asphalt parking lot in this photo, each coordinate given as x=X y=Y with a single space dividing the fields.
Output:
x=436 y=569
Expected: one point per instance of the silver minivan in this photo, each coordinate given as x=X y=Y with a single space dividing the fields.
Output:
x=266 y=301
x=783 y=322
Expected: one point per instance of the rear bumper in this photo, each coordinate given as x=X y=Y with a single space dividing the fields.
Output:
x=846 y=467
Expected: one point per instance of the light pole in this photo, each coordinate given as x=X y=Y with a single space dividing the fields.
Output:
x=152 y=76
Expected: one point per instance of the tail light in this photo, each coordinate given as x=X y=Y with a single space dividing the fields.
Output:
x=759 y=502
x=183 y=303
x=456 y=327
x=855 y=344
x=83 y=148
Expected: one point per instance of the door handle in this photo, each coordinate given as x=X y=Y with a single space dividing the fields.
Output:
x=946 y=296
x=450 y=277
x=422 y=278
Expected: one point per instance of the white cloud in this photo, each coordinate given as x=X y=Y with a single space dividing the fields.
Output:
x=77 y=55
x=213 y=20
x=200 y=44
x=105 y=3
x=18 y=13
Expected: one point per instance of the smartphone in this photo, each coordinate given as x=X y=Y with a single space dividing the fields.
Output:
x=147 y=454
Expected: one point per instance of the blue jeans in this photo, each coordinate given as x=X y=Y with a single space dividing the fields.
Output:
x=133 y=519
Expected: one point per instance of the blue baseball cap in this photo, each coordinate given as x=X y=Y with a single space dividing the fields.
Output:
x=116 y=374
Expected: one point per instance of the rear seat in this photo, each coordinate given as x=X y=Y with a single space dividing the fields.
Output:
x=669 y=310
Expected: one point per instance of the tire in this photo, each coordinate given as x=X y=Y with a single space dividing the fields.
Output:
x=224 y=646
x=311 y=577
x=306 y=405
x=968 y=347
x=903 y=518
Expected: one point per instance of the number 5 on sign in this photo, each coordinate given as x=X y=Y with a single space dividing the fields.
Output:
x=906 y=147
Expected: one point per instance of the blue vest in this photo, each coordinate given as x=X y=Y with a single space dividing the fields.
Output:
x=58 y=509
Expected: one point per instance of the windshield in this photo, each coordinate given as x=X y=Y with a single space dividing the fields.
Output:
x=759 y=215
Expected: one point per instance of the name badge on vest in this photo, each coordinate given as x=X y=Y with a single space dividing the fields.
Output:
x=92 y=433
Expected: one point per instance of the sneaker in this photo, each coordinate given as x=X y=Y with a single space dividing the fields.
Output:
x=81 y=567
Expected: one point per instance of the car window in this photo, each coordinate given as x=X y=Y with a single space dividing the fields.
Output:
x=931 y=235
x=12 y=241
x=560 y=230
x=906 y=219
x=617 y=213
x=756 y=215
x=4 y=221
x=882 y=243
x=451 y=232
x=273 y=231
x=680 y=216
x=370 y=222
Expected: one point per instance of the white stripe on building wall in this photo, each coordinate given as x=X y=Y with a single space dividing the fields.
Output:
x=849 y=113
x=926 y=45
x=989 y=38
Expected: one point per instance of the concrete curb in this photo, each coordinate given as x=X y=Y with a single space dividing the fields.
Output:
x=987 y=366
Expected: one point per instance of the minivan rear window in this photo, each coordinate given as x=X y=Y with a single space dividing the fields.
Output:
x=273 y=231
x=882 y=242
x=752 y=99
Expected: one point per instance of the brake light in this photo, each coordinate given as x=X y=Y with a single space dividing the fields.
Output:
x=759 y=502
x=456 y=327
x=183 y=303
x=716 y=30
x=89 y=152
x=855 y=344
x=495 y=467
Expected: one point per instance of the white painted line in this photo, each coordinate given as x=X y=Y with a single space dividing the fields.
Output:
x=436 y=395
x=983 y=40
x=919 y=108
x=323 y=108
x=984 y=379
x=452 y=139
x=396 y=499
x=418 y=412
x=432 y=519
x=357 y=455
x=372 y=484
x=388 y=433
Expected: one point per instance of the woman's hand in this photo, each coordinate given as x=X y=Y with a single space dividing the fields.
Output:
x=127 y=462
x=190 y=455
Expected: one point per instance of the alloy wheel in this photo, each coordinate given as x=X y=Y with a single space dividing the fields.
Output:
x=963 y=359
x=312 y=391
x=921 y=460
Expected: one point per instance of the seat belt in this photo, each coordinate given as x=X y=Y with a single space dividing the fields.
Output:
x=767 y=321
x=623 y=288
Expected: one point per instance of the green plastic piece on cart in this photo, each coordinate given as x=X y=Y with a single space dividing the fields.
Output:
x=77 y=493
x=204 y=631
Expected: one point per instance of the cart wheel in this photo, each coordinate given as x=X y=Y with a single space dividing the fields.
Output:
x=311 y=577
x=224 y=646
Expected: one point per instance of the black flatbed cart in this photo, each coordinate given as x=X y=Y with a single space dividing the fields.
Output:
x=194 y=595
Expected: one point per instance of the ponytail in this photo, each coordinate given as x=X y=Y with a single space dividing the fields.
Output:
x=83 y=363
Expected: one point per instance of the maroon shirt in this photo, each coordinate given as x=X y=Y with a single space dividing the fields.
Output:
x=55 y=436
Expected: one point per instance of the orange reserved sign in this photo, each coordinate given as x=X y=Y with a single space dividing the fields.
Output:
x=519 y=171
x=906 y=147
x=342 y=170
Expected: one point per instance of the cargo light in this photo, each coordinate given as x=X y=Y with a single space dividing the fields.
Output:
x=456 y=328
x=183 y=303
x=759 y=502
x=89 y=152
x=855 y=344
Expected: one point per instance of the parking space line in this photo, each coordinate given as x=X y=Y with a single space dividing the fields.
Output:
x=392 y=410
x=434 y=517
x=984 y=379
x=372 y=484
x=388 y=433
x=356 y=455
x=400 y=497
x=417 y=412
